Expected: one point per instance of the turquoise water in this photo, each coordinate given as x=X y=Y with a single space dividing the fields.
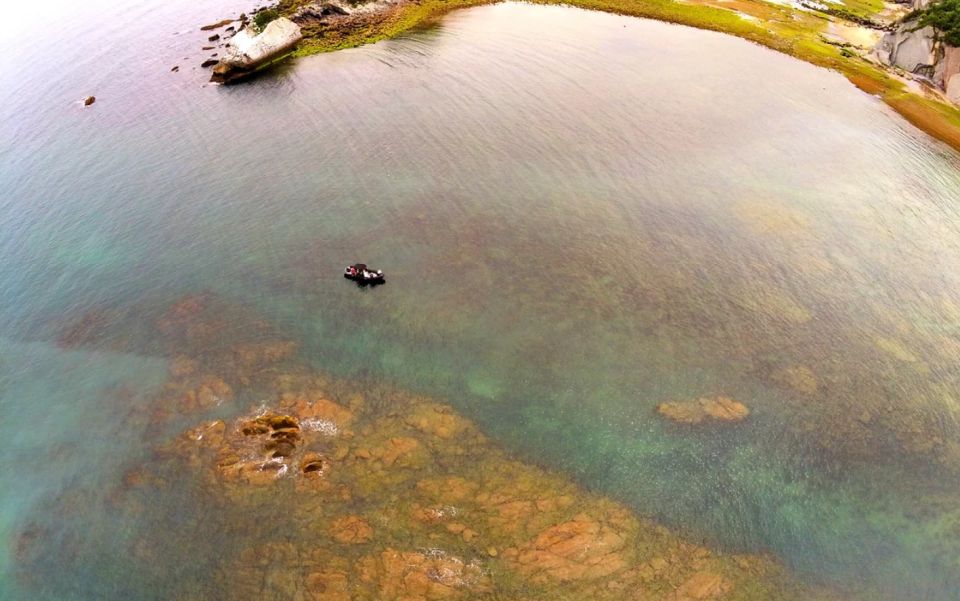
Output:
x=575 y=229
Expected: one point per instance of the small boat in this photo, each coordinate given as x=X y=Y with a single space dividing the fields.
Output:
x=362 y=274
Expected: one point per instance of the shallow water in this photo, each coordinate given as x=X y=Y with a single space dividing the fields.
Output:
x=580 y=215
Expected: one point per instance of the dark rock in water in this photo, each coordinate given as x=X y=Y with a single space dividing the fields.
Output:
x=209 y=63
x=175 y=68
x=216 y=25
x=208 y=47
x=89 y=100
x=231 y=28
x=214 y=37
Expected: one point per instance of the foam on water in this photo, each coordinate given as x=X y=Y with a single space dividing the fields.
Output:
x=324 y=426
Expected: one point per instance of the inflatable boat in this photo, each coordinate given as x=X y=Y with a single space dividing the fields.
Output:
x=362 y=274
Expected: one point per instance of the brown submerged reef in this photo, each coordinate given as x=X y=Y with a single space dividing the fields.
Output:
x=384 y=495
x=922 y=84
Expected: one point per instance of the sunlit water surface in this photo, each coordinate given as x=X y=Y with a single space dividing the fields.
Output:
x=581 y=216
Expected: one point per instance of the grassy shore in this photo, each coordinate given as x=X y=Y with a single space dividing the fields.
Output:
x=799 y=33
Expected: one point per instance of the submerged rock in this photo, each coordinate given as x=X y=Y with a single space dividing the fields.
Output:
x=799 y=378
x=895 y=349
x=209 y=392
x=351 y=530
x=703 y=585
x=249 y=354
x=718 y=409
x=437 y=420
x=418 y=576
x=248 y=50
x=582 y=548
x=375 y=519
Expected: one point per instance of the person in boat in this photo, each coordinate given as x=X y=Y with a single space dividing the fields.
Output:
x=360 y=272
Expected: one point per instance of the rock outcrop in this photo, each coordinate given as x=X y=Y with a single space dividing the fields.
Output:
x=920 y=51
x=914 y=50
x=950 y=73
x=248 y=50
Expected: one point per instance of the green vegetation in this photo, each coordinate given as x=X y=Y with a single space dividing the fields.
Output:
x=944 y=15
x=262 y=18
x=863 y=8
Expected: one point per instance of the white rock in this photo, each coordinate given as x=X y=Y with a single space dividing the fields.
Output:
x=953 y=89
x=914 y=51
x=248 y=49
x=947 y=72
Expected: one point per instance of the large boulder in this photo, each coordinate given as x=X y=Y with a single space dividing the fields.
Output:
x=949 y=71
x=953 y=89
x=248 y=50
x=911 y=49
x=919 y=51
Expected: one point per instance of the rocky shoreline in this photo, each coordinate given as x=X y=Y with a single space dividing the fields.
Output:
x=840 y=37
x=248 y=47
x=920 y=53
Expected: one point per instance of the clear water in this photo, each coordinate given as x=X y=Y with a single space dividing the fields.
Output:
x=581 y=216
